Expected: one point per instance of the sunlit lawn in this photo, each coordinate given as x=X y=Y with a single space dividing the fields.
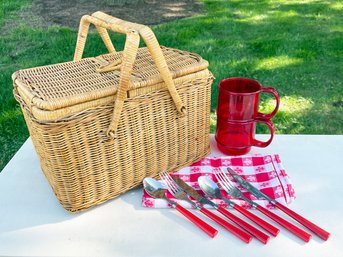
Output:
x=295 y=46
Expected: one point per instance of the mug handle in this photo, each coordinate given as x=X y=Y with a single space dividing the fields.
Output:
x=270 y=90
x=270 y=125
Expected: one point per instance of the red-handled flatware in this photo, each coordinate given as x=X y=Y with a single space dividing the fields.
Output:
x=228 y=226
x=179 y=193
x=305 y=222
x=286 y=224
x=156 y=190
x=202 y=200
x=211 y=231
x=262 y=223
x=251 y=229
x=211 y=189
x=232 y=190
x=257 y=193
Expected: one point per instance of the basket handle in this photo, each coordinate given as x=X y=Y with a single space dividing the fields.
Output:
x=133 y=32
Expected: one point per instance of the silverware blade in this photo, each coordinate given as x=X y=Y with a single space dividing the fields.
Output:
x=192 y=192
x=249 y=187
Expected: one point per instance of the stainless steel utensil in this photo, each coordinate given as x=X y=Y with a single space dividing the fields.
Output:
x=179 y=193
x=156 y=190
x=227 y=185
x=305 y=222
x=211 y=189
x=195 y=195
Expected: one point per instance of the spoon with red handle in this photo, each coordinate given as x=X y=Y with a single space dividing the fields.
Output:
x=210 y=188
x=155 y=189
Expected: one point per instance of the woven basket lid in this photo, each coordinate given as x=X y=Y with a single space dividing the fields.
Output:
x=63 y=85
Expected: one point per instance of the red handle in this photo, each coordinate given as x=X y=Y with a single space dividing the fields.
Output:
x=287 y=225
x=252 y=230
x=234 y=230
x=272 y=91
x=270 y=125
x=211 y=231
x=314 y=228
x=262 y=223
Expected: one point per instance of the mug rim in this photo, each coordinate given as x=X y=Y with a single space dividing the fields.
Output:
x=241 y=79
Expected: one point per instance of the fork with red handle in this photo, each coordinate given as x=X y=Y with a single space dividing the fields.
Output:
x=257 y=193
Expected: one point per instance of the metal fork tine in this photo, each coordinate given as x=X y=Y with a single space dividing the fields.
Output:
x=181 y=194
x=174 y=183
x=170 y=183
x=175 y=189
x=165 y=175
x=222 y=175
x=170 y=187
x=228 y=181
x=227 y=178
x=165 y=180
x=218 y=175
x=233 y=190
x=223 y=179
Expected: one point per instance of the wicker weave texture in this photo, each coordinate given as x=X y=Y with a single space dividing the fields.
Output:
x=64 y=84
x=84 y=164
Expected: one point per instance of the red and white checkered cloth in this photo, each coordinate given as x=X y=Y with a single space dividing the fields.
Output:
x=263 y=171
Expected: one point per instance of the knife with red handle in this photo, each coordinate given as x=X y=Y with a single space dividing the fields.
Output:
x=243 y=235
x=305 y=222
x=156 y=190
x=286 y=224
x=202 y=200
x=209 y=187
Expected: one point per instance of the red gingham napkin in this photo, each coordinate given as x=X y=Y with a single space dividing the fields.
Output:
x=263 y=171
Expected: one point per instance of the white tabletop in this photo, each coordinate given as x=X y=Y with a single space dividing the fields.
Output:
x=32 y=222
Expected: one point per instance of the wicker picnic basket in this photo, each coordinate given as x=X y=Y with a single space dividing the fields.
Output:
x=101 y=125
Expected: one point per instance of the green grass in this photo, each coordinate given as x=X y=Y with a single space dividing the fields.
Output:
x=295 y=46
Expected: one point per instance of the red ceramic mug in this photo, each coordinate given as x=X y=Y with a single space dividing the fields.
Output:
x=237 y=138
x=239 y=98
